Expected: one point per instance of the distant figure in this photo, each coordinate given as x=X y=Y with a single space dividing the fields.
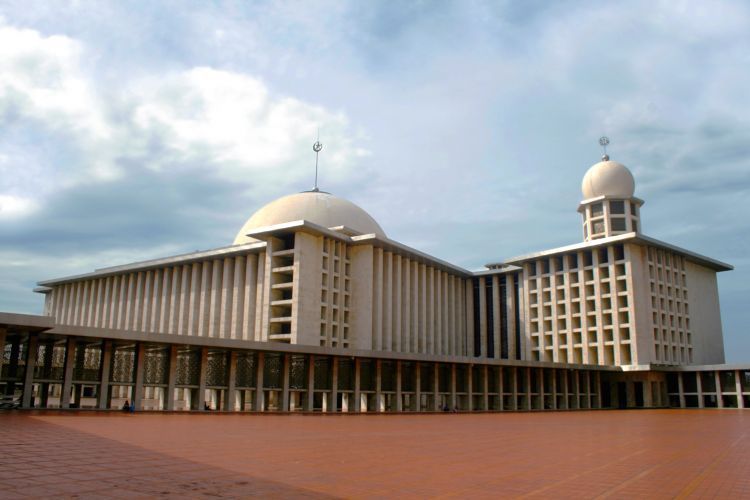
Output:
x=455 y=409
x=445 y=408
x=206 y=406
x=132 y=407
x=126 y=406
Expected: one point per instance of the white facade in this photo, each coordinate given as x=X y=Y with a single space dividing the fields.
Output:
x=312 y=269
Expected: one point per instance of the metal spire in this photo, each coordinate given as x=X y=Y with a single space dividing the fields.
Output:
x=603 y=142
x=317 y=147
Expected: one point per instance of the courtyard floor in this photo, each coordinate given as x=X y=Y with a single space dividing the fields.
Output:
x=617 y=454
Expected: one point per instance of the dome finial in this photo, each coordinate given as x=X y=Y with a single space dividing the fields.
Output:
x=317 y=147
x=603 y=142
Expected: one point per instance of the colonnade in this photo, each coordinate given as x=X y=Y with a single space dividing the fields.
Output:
x=102 y=373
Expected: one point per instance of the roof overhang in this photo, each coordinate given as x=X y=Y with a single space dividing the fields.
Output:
x=636 y=238
x=26 y=322
x=146 y=265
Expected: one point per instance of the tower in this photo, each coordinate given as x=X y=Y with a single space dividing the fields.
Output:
x=608 y=207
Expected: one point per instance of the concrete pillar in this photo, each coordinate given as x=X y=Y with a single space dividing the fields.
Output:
x=435 y=387
x=399 y=403
x=699 y=385
x=285 y=383
x=140 y=357
x=553 y=389
x=470 y=387
x=417 y=406
x=648 y=396
x=681 y=391
x=500 y=389
x=202 y=379
x=598 y=388
x=28 y=379
x=70 y=361
x=566 y=390
x=15 y=349
x=310 y=382
x=104 y=371
x=540 y=387
x=258 y=403
x=738 y=388
x=485 y=388
x=378 y=380
x=357 y=387
x=231 y=382
x=171 y=379
x=3 y=333
x=719 y=390
x=453 y=386
x=528 y=388
x=514 y=388
x=334 y=385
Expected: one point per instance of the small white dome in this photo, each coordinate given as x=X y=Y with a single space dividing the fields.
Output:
x=317 y=207
x=608 y=178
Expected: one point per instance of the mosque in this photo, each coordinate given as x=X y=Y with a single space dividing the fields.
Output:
x=314 y=308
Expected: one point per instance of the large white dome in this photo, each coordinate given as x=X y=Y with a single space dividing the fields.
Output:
x=608 y=178
x=317 y=207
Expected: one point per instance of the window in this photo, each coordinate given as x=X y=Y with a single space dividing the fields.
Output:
x=617 y=224
x=617 y=207
x=598 y=227
x=596 y=210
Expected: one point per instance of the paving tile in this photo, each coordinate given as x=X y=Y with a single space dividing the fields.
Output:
x=602 y=454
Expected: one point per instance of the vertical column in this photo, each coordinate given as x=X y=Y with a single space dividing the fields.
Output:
x=357 y=396
x=310 y=383
x=681 y=390
x=470 y=387
x=528 y=388
x=699 y=385
x=171 y=379
x=258 y=403
x=104 y=370
x=435 y=386
x=540 y=387
x=485 y=388
x=231 y=382
x=418 y=386
x=334 y=385
x=565 y=390
x=399 y=403
x=500 y=389
x=719 y=390
x=70 y=361
x=514 y=387
x=285 y=383
x=453 y=386
x=598 y=389
x=140 y=355
x=553 y=389
x=202 y=379
x=737 y=385
x=28 y=380
x=3 y=333
x=378 y=379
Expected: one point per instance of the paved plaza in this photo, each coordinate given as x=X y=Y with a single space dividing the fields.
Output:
x=617 y=454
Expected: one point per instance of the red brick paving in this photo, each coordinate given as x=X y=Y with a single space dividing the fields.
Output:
x=616 y=454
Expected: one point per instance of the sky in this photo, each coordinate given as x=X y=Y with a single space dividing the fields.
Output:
x=132 y=130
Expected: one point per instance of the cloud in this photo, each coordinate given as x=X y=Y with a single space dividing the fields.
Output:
x=228 y=122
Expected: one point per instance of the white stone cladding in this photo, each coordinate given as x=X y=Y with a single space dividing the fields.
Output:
x=213 y=298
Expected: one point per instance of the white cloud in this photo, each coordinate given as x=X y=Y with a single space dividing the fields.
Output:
x=15 y=206
x=226 y=122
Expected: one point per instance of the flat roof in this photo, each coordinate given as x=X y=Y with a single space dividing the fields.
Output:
x=636 y=238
